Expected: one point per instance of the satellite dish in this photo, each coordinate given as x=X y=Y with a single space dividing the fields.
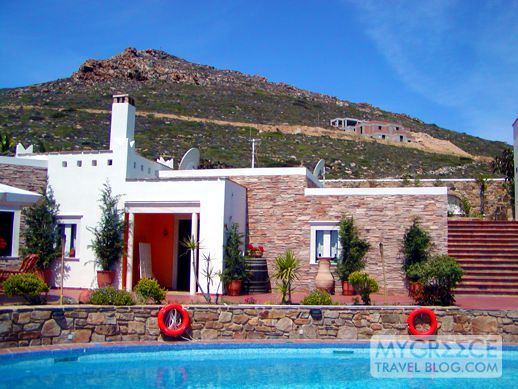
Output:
x=320 y=169
x=190 y=160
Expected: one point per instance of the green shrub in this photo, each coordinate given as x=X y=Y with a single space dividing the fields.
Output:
x=147 y=289
x=353 y=250
x=438 y=277
x=317 y=297
x=364 y=285
x=416 y=246
x=111 y=296
x=108 y=240
x=42 y=233
x=28 y=286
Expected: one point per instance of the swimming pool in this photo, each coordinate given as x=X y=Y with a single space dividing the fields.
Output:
x=235 y=365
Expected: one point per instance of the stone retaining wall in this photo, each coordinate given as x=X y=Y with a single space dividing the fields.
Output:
x=24 y=326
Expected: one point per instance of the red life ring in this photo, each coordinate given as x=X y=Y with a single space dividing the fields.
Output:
x=425 y=311
x=169 y=325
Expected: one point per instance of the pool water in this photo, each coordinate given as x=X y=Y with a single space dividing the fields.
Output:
x=220 y=366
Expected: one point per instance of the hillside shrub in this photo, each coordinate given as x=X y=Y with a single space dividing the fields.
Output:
x=364 y=285
x=29 y=286
x=317 y=297
x=149 y=289
x=111 y=296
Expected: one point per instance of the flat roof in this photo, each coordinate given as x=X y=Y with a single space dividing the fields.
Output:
x=249 y=172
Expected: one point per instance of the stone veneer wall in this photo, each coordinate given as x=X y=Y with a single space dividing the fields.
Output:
x=29 y=178
x=28 y=326
x=279 y=216
x=497 y=202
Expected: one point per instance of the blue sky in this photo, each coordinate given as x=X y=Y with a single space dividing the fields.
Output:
x=453 y=63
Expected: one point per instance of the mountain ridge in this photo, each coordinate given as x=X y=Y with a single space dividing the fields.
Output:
x=165 y=84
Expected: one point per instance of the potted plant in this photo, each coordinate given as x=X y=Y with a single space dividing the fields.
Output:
x=255 y=252
x=108 y=241
x=364 y=285
x=417 y=244
x=42 y=234
x=286 y=270
x=235 y=267
x=352 y=254
x=438 y=276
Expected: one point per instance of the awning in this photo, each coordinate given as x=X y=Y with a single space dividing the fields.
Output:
x=16 y=196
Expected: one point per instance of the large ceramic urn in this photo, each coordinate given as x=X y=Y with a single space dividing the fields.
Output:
x=324 y=279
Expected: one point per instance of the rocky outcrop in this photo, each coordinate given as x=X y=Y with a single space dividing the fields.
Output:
x=157 y=65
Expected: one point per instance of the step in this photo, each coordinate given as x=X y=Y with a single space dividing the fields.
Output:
x=489 y=284
x=487 y=261
x=484 y=241
x=500 y=292
x=484 y=222
x=469 y=231
x=490 y=273
x=492 y=258
x=495 y=276
x=484 y=249
x=481 y=234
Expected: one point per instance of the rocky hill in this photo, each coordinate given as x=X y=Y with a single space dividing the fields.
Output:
x=185 y=104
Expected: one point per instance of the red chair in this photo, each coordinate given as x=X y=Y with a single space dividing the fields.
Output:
x=28 y=266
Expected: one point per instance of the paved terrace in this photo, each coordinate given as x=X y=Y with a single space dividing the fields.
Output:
x=467 y=302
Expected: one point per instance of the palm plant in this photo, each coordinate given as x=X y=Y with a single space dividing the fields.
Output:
x=193 y=245
x=286 y=270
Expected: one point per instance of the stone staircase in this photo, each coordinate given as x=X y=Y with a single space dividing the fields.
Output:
x=488 y=253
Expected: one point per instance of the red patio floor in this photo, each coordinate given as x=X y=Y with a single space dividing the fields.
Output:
x=467 y=301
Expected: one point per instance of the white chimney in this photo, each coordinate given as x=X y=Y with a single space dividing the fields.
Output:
x=123 y=121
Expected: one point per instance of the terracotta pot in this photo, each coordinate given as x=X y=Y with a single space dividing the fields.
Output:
x=105 y=278
x=45 y=275
x=347 y=289
x=324 y=279
x=234 y=288
x=413 y=288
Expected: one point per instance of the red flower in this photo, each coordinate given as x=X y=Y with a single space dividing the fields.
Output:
x=261 y=249
x=251 y=247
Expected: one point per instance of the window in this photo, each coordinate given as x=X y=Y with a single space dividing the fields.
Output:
x=379 y=127
x=382 y=136
x=324 y=241
x=79 y=163
x=94 y=162
x=6 y=233
x=110 y=162
x=70 y=231
x=64 y=164
x=401 y=138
